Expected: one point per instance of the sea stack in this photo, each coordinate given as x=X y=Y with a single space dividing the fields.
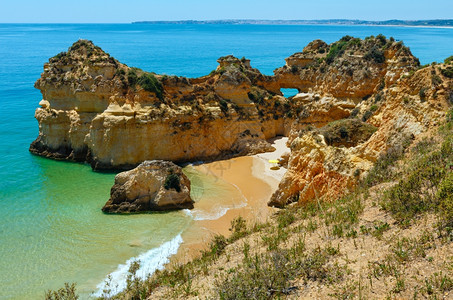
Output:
x=152 y=186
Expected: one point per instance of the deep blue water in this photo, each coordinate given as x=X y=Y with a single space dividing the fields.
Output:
x=49 y=211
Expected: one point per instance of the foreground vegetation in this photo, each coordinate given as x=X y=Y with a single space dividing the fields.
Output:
x=391 y=238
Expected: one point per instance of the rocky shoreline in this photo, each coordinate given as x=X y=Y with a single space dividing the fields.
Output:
x=98 y=110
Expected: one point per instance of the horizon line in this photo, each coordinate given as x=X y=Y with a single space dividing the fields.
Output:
x=239 y=19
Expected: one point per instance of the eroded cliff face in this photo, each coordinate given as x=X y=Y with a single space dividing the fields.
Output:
x=324 y=165
x=98 y=110
x=350 y=68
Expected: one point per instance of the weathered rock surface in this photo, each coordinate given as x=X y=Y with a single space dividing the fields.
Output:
x=98 y=110
x=327 y=162
x=350 y=68
x=153 y=185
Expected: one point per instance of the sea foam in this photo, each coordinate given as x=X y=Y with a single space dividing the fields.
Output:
x=150 y=261
x=214 y=214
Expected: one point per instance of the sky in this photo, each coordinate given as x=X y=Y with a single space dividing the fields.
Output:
x=125 y=11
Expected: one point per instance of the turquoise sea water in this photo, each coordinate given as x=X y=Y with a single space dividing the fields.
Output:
x=51 y=226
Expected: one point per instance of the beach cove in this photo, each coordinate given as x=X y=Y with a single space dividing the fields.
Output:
x=52 y=230
x=246 y=183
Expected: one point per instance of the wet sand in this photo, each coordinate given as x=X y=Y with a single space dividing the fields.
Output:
x=255 y=183
x=262 y=166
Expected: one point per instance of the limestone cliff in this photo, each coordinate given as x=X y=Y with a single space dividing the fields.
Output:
x=323 y=165
x=350 y=68
x=99 y=110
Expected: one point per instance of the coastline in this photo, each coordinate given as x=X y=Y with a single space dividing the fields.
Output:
x=389 y=23
x=44 y=198
x=252 y=176
x=246 y=183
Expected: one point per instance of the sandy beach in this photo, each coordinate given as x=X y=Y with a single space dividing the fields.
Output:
x=253 y=179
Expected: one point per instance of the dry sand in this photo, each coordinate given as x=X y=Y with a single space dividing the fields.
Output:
x=254 y=179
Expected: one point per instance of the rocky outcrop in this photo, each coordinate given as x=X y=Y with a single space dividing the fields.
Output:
x=350 y=68
x=99 y=110
x=153 y=185
x=326 y=163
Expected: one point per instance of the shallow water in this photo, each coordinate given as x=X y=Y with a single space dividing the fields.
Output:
x=51 y=226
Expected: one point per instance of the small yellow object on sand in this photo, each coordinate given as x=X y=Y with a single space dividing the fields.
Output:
x=274 y=161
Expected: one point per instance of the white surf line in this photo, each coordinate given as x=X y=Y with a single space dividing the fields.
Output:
x=150 y=261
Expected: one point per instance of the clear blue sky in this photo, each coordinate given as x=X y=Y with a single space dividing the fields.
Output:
x=124 y=11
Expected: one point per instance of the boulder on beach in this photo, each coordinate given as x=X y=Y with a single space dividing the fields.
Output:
x=154 y=185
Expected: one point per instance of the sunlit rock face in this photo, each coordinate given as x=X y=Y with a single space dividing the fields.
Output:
x=153 y=185
x=98 y=110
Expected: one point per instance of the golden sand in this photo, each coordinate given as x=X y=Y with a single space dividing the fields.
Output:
x=252 y=177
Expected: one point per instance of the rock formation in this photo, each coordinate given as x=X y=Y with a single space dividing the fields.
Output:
x=325 y=163
x=350 y=68
x=99 y=110
x=153 y=185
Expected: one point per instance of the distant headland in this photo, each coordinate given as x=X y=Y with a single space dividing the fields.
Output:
x=438 y=23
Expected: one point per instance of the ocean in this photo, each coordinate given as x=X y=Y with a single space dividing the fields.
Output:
x=52 y=230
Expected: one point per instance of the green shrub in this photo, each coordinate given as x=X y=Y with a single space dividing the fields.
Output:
x=367 y=115
x=218 y=244
x=150 y=83
x=378 y=97
x=172 y=182
x=256 y=97
x=60 y=55
x=436 y=80
x=382 y=39
x=270 y=275
x=284 y=218
x=447 y=72
x=354 y=112
x=375 y=54
x=427 y=186
x=68 y=292
x=337 y=49
x=263 y=276
x=445 y=196
x=132 y=77
x=422 y=94
x=379 y=229
x=238 y=228
x=120 y=72
x=382 y=170
x=448 y=60
x=414 y=194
